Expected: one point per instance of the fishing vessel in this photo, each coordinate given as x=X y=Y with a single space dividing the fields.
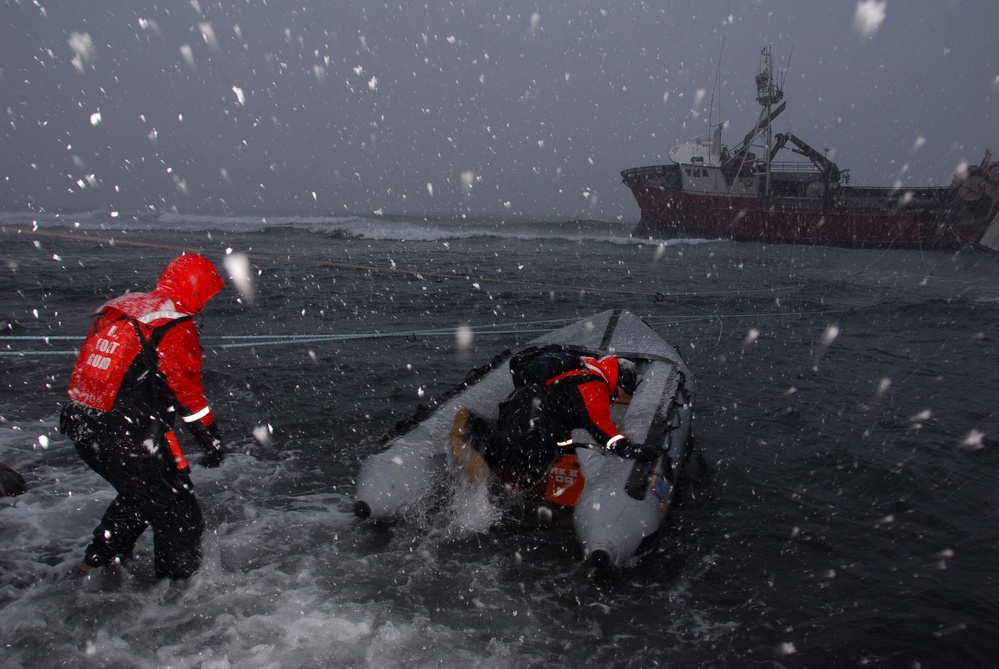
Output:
x=754 y=193
x=618 y=505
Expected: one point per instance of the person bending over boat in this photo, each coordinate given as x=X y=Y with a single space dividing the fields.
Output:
x=139 y=367
x=555 y=392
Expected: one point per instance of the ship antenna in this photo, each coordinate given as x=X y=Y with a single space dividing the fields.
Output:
x=787 y=68
x=711 y=103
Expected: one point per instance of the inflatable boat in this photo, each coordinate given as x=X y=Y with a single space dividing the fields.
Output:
x=618 y=504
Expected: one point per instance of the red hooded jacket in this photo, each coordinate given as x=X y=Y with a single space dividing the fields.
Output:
x=112 y=370
x=587 y=395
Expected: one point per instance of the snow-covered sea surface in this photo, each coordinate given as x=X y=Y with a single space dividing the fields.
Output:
x=840 y=511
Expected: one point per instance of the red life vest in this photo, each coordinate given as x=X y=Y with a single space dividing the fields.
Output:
x=114 y=346
x=128 y=323
x=105 y=357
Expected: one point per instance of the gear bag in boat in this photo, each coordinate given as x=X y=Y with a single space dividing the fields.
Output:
x=534 y=366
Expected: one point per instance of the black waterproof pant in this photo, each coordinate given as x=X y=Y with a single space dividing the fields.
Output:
x=151 y=491
x=523 y=443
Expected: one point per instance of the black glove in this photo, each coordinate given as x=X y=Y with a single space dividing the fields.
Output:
x=640 y=452
x=211 y=442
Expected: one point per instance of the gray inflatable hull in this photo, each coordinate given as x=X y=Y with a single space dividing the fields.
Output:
x=610 y=525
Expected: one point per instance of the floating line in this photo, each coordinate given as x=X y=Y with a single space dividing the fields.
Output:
x=512 y=328
x=657 y=296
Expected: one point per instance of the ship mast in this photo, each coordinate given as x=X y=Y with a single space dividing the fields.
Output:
x=768 y=93
x=714 y=136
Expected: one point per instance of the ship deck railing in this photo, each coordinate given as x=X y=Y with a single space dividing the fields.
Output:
x=788 y=170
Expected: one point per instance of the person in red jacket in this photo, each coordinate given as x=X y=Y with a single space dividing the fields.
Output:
x=139 y=368
x=563 y=392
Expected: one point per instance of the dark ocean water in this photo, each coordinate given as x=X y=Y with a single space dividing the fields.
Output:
x=841 y=509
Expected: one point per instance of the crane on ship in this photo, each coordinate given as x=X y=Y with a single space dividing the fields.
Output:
x=828 y=169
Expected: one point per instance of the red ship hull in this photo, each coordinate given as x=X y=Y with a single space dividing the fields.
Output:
x=668 y=213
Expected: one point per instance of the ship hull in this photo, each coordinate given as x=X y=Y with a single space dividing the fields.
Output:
x=668 y=213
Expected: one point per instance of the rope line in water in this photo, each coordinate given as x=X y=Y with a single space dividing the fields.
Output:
x=532 y=327
x=657 y=296
x=246 y=341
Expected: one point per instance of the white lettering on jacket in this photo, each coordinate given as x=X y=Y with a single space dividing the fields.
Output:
x=103 y=362
x=98 y=361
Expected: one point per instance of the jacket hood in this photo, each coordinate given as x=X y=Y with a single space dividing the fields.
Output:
x=606 y=367
x=190 y=281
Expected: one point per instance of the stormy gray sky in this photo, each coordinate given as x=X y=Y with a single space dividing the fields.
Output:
x=482 y=107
